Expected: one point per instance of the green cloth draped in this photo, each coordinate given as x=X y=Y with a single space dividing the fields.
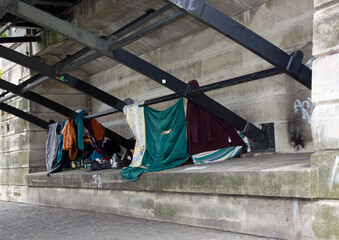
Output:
x=166 y=144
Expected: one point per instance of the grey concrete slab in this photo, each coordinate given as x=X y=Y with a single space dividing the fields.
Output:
x=278 y=175
x=24 y=221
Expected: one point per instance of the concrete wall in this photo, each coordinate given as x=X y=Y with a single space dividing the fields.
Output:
x=325 y=121
x=297 y=219
x=14 y=132
x=210 y=57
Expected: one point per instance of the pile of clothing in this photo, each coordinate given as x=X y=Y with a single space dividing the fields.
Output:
x=164 y=139
x=69 y=146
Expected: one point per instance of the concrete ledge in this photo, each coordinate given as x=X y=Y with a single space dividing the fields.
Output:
x=278 y=175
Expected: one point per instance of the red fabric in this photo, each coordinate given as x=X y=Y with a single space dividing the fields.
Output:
x=207 y=132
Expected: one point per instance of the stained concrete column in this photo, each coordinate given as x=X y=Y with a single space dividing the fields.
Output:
x=325 y=95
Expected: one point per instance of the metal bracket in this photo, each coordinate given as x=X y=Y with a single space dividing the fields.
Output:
x=295 y=62
x=193 y=6
x=268 y=129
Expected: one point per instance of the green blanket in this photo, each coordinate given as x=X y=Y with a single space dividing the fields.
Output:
x=166 y=144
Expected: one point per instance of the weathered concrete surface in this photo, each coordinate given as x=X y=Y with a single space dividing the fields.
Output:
x=62 y=224
x=325 y=126
x=274 y=175
x=325 y=30
x=283 y=218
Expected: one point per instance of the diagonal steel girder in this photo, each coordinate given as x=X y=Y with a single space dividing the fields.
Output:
x=71 y=81
x=60 y=109
x=60 y=66
x=26 y=116
x=41 y=18
x=230 y=28
x=62 y=27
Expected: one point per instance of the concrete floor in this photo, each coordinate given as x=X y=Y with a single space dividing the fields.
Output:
x=23 y=221
x=264 y=162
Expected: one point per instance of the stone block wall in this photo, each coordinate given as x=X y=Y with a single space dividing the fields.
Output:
x=22 y=144
x=325 y=121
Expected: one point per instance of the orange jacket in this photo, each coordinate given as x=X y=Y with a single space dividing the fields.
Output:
x=70 y=139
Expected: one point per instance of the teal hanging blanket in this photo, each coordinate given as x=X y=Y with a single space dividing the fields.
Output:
x=166 y=143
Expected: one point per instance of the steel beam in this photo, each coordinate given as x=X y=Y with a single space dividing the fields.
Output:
x=101 y=114
x=5 y=27
x=72 y=82
x=54 y=3
x=38 y=99
x=133 y=37
x=153 y=73
x=22 y=90
x=60 y=109
x=149 y=15
x=68 y=79
x=205 y=88
x=148 y=30
x=183 y=89
x=26 y=116
x=32 y=82
x=57 y=25
x=246 y=38
x=20 y=39
x=221 y=84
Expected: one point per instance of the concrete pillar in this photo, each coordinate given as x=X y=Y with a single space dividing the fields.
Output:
x=325 y=95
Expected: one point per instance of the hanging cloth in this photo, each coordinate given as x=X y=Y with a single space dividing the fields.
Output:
x=136 y=121
x=221 y=154
x=63 y=155
x=52 y=142
x=70 y=139
x=79 y=122
x=207 y=132
x=166 y=144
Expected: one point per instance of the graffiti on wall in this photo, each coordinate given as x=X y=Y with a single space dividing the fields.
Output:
x=304 y=108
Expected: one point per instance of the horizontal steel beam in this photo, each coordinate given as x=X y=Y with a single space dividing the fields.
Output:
x=120 y=33
x=221 y=84
x=183 y=89
x=246 y=38
x=26 y=116
x=20 y=39
x=55 y=3
x=148 y=30
x=206 y=88
x=62 y=27
x=101 y=114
